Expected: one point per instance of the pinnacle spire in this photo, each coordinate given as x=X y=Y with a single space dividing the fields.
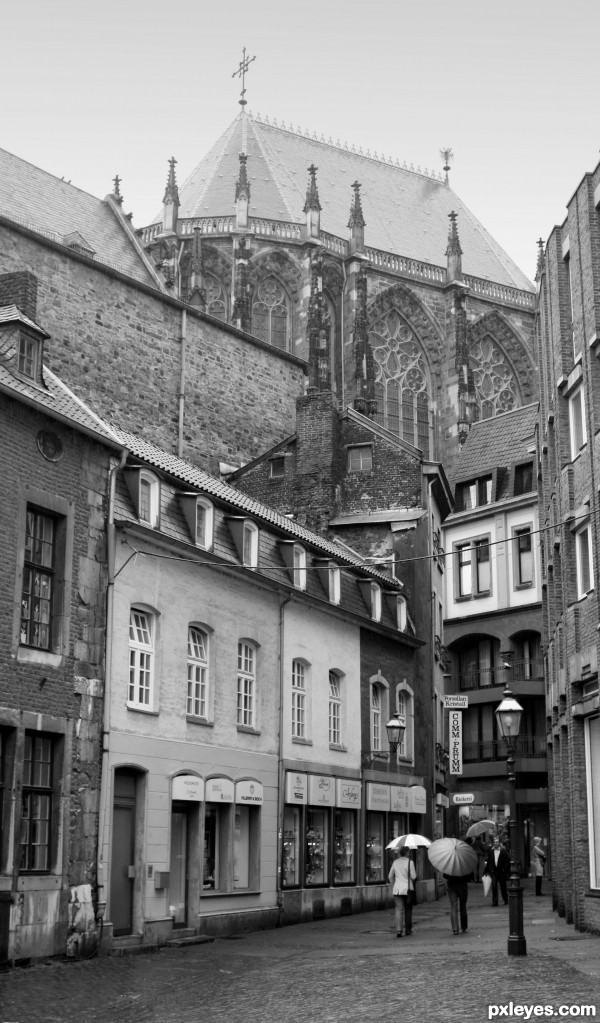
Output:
x=356 y=214
x=540 y=259
x=453 y=248
x=446 y=155
x=171 y=191
x=242 y=185
x=312 y=192
x=117 y=191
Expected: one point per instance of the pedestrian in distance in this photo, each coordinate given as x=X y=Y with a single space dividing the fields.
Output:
x=538 y=859
x=403 y=876
x=481 y=849
x=458 y=893
x=498 y=868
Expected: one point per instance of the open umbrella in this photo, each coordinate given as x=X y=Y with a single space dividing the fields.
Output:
x=480 y=827
x=452 y=856
x=408 y=842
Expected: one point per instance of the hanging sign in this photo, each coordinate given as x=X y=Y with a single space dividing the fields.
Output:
x=455 y=736
x=456 y=702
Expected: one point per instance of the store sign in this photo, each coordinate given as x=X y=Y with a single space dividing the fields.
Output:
x=456 y=702
x=418 y=799
x=399 y=799
x=348 y=794
x=219 y=790
x=321 y=790
x=455 y=734
x=296 y=788
x=378 y=796
x=188 y=786
x=463 y=798
x=249 y=792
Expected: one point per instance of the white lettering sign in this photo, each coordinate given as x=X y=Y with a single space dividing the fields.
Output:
x=456 y=702
x=462 y=798
x=296 y=788
x=250 y=792
x=455 y=734
x=348 y=793
x=188 y=786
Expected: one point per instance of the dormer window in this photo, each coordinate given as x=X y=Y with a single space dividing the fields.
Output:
x=294 y=557
x=474 y=494
x=523 y=478
x=334 y=578
x=401 y=614
x=250 y=545
x=21 y=343
x=27 y=356
x=375 y=602
x=199 y=515
x=144 y=490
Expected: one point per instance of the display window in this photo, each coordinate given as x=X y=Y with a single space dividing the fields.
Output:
x=344 y=847
x=317 y=847
x=246 y=847
x=374 y=859
x=216 y=861
x=292 y=830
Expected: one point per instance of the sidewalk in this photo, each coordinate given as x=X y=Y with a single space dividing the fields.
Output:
x=342 y=970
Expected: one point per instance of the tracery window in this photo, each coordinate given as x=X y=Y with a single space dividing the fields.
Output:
x=401 y=383
x=493 y=378
x=216 y=298
x=270 y=313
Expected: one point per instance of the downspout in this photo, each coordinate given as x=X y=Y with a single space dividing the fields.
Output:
x=342 y=346
x=104 y=773
x=182 y=382
x=280 y=772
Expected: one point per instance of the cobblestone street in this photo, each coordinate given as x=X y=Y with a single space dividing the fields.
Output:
x=346 y=969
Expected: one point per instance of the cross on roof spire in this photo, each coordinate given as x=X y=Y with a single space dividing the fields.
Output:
x=241 y=73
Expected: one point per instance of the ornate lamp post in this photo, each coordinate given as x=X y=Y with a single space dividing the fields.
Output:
x=395 y=729
x=508 y=717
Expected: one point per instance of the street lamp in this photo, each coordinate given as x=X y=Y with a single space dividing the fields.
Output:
x=508 y=718
x=395 y=729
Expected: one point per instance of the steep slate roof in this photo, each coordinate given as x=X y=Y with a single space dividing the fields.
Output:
x=406 y=212
x=500 y=441
x=218 y=490
x=58 y=402
x=56 y=209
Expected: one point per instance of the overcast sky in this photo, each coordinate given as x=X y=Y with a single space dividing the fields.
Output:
x=90 y=90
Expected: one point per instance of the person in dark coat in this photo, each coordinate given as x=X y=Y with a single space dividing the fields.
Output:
x=498 y=868
x=458 y=892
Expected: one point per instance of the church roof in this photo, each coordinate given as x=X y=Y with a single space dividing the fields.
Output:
x=406 y=212
x=50 y=206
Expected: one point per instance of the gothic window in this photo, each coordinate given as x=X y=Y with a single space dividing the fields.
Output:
x=401 y=383
x=216 y=299
x=270 y=313
x=494 y=384
x=329 y=325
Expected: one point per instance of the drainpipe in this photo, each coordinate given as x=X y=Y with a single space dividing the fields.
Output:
x=104 y=773
x=342 y=339
x=182 y=382
x=280 y=773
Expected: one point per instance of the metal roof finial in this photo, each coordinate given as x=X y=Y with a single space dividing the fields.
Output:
x=446 y=155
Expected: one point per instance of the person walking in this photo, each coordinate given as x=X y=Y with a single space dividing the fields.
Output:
x=538 y=859
x=403 y=876
x=498 y=868
x=458 y=893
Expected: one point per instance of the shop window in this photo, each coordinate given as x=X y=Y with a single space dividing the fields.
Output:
x=374 y=848
x=246 y=685
x=335 y=709
x=317 y=847
x=583 y=554
x=344 y=847
x=37 y=803
x=216 y=861
x=291 y=852
x=246 y=846
x=197 y=673
x=360 y=458
x=523 y=556
x=141 y=658
x=299 y=696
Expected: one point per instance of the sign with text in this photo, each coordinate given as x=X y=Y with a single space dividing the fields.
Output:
x=189 y=787
x=399 y=799
x=463 y=798
x=378 y=797
x=456 y=702
x=321 y=790
x=249 y=792
x=296 y=787
x=348 y=793
x=219 y=790
x=455 y=737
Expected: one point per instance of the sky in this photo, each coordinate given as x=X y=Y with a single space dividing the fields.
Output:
x=93 y=89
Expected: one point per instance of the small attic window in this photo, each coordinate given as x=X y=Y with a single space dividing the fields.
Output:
x=27 y=356
x=523 y=478
x=277 y=467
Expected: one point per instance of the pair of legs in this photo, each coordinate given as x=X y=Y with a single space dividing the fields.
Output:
x=458 y=907
x=403 y=914
x=502 y=882
x=538 y=884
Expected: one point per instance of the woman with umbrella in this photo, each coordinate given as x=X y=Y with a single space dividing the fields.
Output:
x=457 y=861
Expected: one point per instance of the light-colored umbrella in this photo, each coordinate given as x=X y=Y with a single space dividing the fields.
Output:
x=452 y=856
x=480 y=827
x=409 y=842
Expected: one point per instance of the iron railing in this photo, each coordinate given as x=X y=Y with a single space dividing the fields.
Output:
x=526 y=747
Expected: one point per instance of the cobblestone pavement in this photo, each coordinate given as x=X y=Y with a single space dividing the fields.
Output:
x=346 y=969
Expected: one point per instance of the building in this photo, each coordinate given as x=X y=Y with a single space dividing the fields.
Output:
x=567 y=335
x=493 y=623
x=56 y=463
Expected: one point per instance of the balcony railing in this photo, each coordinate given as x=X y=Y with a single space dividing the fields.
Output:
x=520 y=671
x=527 y=746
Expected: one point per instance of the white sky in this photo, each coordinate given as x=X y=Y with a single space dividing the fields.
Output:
x=93 y=89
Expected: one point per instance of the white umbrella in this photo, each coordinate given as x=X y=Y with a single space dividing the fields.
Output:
x=480 y=827
x=409 y=842
x=452 y=856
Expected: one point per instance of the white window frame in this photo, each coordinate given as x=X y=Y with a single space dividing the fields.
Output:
x=334 y=578
x=582 y=589
x=405 y=709
x=299 y=699
x=148 y=479
x=518 y=532
x=376 y=602
x=299 y=569
x=378 y=716
x=401 y=614
x=577 y=427
x=202 y=504
x=592 y=759
x=467 y=568
x=335 y=709
x=246 y=685
x=250 y=544
x=356 y=462
x=197 y=673
x=140 y=690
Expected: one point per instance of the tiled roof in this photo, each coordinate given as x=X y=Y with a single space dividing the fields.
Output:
x=406 y=212
x=239 y=502
x=57 y=401
x=56 y=209
x=497 y=442
x=12 y=314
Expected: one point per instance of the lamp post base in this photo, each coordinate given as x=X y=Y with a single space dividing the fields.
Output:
x=517 y=945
